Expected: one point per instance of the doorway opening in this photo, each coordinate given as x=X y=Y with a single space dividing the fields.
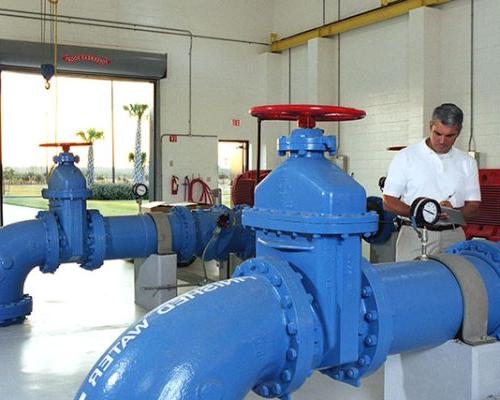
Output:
x=74 y=109
x=233 y=160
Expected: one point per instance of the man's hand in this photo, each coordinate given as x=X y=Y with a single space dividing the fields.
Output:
x=444 y=216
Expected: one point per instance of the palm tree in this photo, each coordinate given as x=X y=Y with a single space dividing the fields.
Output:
x=131 y=158
x=90 y=136
x=137 y=111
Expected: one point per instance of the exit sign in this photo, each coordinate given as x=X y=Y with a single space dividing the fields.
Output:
x=236 y=122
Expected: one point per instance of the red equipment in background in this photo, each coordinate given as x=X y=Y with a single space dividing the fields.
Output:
x=487 y=224
x=243 y=187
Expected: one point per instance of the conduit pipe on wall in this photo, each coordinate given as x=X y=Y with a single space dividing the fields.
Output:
x=357 y=21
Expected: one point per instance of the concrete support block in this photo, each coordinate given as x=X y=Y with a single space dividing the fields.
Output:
x=452 y=371
x=155 y=272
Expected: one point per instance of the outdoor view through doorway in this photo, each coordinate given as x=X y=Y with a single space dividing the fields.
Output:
x=74 y=109
x=233 y=160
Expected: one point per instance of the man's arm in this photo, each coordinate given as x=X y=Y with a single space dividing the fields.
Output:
x=396 y=206
x=470 y=209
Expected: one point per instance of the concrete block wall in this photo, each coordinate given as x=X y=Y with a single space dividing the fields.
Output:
x=398 y=71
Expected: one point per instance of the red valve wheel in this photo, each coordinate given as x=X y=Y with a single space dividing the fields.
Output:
x=65 y=145
x=306 y=114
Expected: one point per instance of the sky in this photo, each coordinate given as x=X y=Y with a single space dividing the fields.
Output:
x=32 y=115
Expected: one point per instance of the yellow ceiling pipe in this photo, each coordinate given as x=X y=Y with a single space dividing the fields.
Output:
x=383 y=13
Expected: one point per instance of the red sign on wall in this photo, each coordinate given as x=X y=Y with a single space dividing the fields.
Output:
x=92 y=58
x=172 y=138
x=236 y=122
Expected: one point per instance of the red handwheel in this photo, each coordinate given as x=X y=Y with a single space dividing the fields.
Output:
x=65 y=145
x=306 y=114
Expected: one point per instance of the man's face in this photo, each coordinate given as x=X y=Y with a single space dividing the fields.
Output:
x=442 y=137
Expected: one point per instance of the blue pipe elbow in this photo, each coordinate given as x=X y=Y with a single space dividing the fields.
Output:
x=24 y=246
x=250 y=340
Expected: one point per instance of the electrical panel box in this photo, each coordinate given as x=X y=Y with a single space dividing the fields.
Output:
x=184 y=158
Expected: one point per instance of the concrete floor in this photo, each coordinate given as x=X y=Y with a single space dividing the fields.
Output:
x=13 y=214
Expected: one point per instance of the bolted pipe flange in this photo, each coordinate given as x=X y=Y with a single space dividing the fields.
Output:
x=484 y=249
x=187 y=243
x=299 y=324
x=15 y=313
x=96 y=241
x=374 y=340
x=53 y=241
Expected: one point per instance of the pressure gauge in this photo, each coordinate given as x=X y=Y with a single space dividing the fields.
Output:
x=425 y=211
x=140 y=190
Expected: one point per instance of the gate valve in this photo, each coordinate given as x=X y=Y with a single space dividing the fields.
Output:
x=65 y=156
x=306 y=114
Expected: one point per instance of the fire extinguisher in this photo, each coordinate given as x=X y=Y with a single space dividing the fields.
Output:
x=174 y=185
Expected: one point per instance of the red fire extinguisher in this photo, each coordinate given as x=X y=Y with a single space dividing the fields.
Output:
x=174 y=185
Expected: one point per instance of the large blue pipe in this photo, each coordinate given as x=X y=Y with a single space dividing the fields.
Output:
x=426 y=301
x=235 y=345
x=250 y=318
x=248 y=326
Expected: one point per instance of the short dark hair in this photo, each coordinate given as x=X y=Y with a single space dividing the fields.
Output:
x=448 y=114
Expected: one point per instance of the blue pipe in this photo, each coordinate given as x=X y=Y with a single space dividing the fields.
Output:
x=243 y=345
x=418 y=318
x=415 y=305
x=130 y=237
x=271 y=312
x=69 y=232
x=422 y=293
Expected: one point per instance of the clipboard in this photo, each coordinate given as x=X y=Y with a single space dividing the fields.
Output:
x=455 y=217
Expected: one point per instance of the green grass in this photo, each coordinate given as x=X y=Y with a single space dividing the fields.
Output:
x=106 y=207
x=24 y=190
x=30 y=196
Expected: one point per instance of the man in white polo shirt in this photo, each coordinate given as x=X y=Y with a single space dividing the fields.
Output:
x=433 y=168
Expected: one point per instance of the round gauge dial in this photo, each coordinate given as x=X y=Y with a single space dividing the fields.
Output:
x=140 y=190
x=430 y=212
x=425 y=211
